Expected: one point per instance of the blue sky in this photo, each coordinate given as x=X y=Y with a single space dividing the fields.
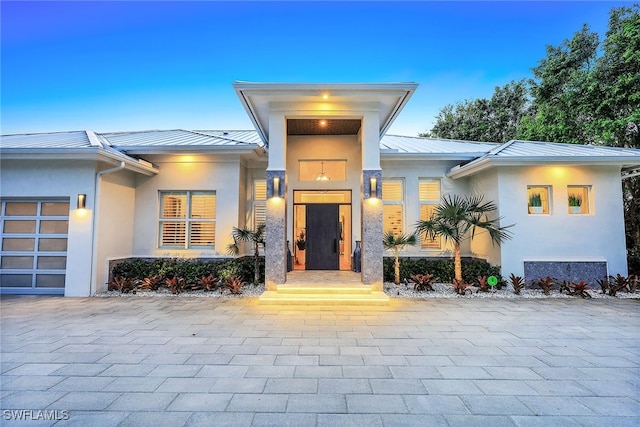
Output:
x=115 y=66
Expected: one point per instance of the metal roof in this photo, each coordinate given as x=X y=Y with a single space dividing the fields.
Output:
x=76 y=139
x=419 y=145
x=518 y=148
x=177 y=138
x=517 y=153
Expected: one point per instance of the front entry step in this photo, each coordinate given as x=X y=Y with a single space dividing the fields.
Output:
x=324 y=296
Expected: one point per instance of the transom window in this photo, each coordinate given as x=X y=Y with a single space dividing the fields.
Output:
x=187 y=219
x=322 y=170
x=429 y=197
x=393 y=205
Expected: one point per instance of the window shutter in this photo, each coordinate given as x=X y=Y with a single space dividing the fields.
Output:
x=203 y=205
x=392 y=191
x=259 y=190
x=259 y=215
x=393 y=219
x=174 y=206
x=429 y=191
x=425 y=241
x=202 y=234
x=173 y=234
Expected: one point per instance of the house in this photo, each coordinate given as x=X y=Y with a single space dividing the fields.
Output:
x=318 y=168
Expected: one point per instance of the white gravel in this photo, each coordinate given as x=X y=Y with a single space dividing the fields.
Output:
x=442 y=290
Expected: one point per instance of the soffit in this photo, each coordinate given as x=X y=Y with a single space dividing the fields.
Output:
x=323 y=126
x=330 y=100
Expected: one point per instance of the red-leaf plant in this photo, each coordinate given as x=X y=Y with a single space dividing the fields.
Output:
x=545 y=284
x=576 y=289
x=423 y=282
x=517 y=282
x=462 y=288
x=483 y=286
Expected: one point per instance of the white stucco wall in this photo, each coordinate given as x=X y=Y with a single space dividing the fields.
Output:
x=487 y=185
x=115 y=223
x=412 y=171
x=330 y=147
x=39 y=179
x=560 y=236
x=188 y=173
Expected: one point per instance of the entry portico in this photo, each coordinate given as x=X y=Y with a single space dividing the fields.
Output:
x=340 y=124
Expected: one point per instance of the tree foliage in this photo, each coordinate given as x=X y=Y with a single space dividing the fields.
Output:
x=496 y=119
x=457 y=218
x=583 y=91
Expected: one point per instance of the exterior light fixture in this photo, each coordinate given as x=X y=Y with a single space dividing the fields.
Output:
x=323 y=123
x=373 y=187
x=82 y=201
x=325 y=96
x=276 y=187
x=321 y=176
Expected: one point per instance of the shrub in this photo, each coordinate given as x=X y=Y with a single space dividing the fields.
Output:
x=154 y=272
x=442 y=269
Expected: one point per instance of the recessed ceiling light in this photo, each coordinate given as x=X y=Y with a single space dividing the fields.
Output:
x=325 y=96
x=323 y=123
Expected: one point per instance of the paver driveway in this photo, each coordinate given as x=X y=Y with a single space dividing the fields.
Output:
x=204 y=361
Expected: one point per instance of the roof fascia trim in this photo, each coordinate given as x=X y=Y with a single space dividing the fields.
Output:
x=91 y=154
x=486 y=163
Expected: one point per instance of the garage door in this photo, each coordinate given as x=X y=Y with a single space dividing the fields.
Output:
x=33 y=256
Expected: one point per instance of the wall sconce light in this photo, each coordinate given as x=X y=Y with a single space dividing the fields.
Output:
x=276 y=187
x=82 y=201
x=373 y=187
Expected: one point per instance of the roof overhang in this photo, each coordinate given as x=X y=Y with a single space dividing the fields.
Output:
x=95 y=154
x=192 y=149
x=485 y=163
x=323 y=99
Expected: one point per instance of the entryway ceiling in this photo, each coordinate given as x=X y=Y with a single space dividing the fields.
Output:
x=323 y=126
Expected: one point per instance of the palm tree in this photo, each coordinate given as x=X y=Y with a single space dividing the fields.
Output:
x=397 y=243
x=455 y=216
x=256 y=237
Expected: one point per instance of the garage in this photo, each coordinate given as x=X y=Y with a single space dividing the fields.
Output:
x=33 y=254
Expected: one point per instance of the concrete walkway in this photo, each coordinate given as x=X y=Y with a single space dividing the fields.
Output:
x=214 y=362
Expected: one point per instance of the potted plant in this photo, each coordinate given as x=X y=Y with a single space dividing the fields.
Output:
x=575 y=203
x=301 y=245
x=535 y=203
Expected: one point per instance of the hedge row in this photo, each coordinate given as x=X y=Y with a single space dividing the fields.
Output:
x=193 y=269
x=442 y=269
x=189 y=269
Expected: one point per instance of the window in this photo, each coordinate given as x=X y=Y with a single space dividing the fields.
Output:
x=393 y=205
x=429 y=197
x=322 y=170
x=538 y=199
x=187 y=219
x=259 y=202
x=578 y=199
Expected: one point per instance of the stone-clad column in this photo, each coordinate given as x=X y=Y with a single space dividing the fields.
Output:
x=372 y=249
x=275 y=236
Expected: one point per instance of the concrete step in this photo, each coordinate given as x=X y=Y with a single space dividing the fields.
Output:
x=322 y=297
x=324 y=289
